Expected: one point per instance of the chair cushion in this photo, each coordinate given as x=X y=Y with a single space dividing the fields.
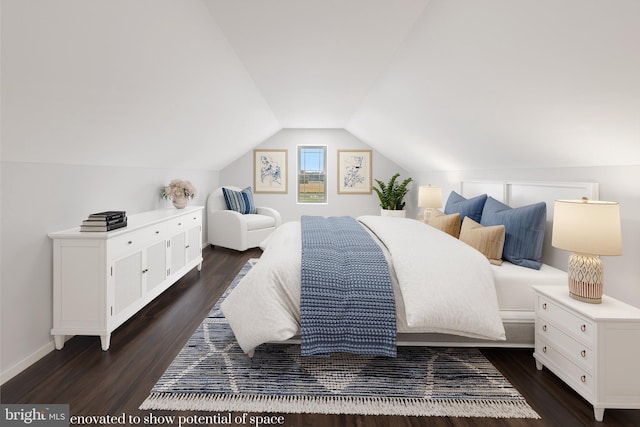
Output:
x=259 y=222
x=239 y=201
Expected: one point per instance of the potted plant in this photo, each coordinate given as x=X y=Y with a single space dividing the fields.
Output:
x=392 y=196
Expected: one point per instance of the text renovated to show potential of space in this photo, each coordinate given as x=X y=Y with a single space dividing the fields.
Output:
x=58 y=416
x=217 y=419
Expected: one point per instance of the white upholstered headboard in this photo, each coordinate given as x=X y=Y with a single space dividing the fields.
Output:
x=521 y=193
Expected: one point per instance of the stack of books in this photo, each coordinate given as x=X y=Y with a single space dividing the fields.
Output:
x=105 y=221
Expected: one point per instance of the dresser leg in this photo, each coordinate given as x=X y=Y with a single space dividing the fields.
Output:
x=539 y=366
x=105 y=340
x=598 y=413
x=59 y=341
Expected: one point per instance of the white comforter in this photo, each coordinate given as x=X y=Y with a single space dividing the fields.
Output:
x=441 y=285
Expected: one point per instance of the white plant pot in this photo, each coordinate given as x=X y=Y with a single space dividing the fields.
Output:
x=393 y=213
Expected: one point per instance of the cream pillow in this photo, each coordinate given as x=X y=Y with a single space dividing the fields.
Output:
x=450 y=224
x=488 y=240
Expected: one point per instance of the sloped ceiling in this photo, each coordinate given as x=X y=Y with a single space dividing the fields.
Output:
x=141 y=83
x=433 y=85
x=315 y=61
x=511 y=84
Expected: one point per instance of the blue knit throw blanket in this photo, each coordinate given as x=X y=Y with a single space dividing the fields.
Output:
x=347 y=302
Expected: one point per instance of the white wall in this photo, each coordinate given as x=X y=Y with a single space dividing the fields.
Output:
x=240 y=173
x=40 y=198
x=617 y=183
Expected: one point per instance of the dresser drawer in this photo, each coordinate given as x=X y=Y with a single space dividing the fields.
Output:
x=572 y=349
x=575 y=326
x=184 y=222
x=578 y=378
x=136 y=240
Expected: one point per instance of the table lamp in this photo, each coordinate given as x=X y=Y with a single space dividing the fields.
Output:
x=429 y=198
x=589 y=229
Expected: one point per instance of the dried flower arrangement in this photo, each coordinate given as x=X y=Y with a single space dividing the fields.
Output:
x=179 y=189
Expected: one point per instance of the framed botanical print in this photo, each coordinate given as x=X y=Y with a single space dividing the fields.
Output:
x=270 y=171
x=354 y=171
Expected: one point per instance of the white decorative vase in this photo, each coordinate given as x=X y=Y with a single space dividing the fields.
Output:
x=393 y=213
x=181 y=202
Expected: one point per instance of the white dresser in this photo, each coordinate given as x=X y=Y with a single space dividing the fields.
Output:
x=594 y=348
x=101 y=279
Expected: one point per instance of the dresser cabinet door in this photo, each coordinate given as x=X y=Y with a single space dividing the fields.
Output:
x=127 y=282
x=193 y=244
x=178 y=259
x=185 y=241
x=155 y=271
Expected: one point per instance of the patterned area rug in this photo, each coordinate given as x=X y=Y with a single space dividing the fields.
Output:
x=211 y=373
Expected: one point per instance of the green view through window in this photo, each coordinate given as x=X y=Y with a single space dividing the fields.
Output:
x=312 y=174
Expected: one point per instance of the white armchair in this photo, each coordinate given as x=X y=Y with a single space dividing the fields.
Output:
x=233 y=230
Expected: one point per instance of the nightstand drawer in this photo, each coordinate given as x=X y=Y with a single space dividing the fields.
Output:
x=572 y=349
x=579 y=379
x=574 y=325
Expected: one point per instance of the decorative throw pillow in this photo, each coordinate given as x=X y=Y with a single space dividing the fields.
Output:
x=524 y=230
x=239 y=201
x=488 y=240
x=450 y=224
x=465 y=207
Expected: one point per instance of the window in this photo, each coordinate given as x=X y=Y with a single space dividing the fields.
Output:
x=312 y=174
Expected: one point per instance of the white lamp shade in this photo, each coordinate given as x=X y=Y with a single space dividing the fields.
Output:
x=429 y=197
x=587 y=227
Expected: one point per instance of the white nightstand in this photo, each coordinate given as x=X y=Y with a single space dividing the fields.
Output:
x=594 y=348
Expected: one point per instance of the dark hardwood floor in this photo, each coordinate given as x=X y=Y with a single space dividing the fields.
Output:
x=115 y=382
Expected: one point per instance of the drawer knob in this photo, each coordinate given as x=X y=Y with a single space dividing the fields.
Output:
x=583 y=327
x=544 y=349
x=544 y=306
x=179 y=223
x=544 y=328
x=583 y=378
x=129 y=242
x=145 y=270
x=583 y=353
x=157 y=232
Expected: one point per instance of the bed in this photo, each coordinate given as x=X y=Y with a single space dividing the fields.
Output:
x=265 y=306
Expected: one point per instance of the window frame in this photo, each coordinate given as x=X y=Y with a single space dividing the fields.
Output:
x=300 y=175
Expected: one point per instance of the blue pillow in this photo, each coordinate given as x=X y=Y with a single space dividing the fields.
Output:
x=465 y=207
x=239 y=201
x=524 y=230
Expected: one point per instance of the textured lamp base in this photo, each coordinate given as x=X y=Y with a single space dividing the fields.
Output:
x=586 y=274
x=426 y=215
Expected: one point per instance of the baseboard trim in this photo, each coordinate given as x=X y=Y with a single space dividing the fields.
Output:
x=26 y=362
